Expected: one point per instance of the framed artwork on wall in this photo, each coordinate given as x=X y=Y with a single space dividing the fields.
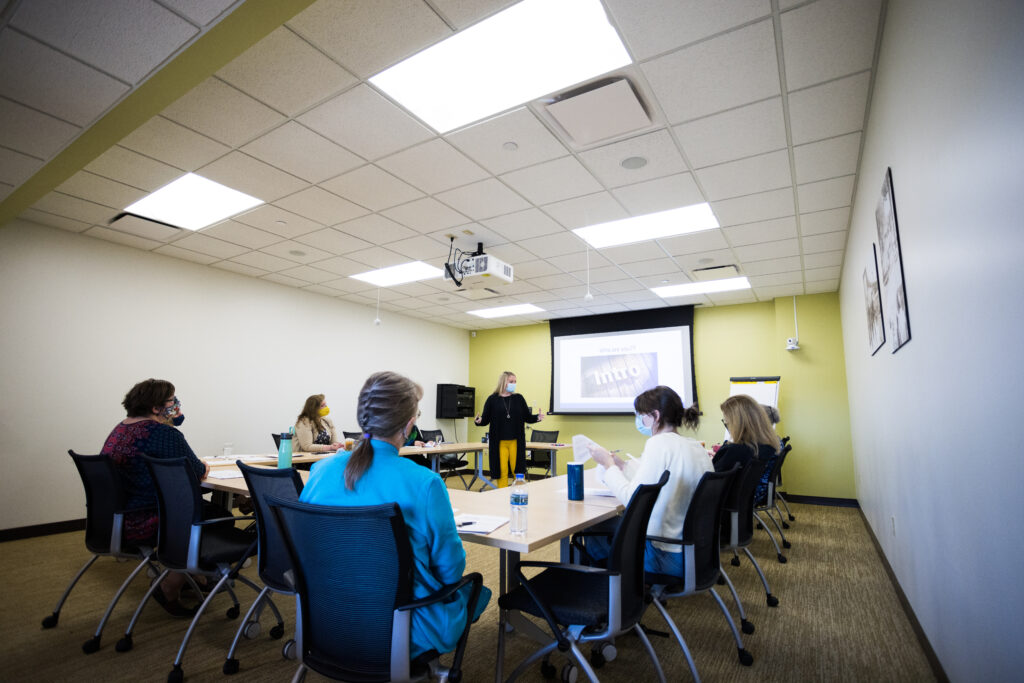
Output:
x=873 y=304
x=890 y=258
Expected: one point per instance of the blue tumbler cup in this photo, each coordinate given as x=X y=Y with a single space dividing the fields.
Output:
x=575 y=472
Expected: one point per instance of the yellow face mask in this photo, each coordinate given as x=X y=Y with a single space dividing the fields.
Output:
x=324 y=411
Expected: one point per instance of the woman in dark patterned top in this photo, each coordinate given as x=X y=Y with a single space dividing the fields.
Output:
x=153 y=410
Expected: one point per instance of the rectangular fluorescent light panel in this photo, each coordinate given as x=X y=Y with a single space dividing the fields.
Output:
x=652 y=226
x=710 y=287
x=531 y=49
x=400 y=274
x=502 y=311
x=193 y=202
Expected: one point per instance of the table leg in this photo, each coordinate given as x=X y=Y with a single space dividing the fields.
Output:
x=478 y=473
x=435 y=462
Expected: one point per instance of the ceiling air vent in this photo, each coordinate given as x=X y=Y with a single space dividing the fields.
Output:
x=715 y=273
x=599 y=111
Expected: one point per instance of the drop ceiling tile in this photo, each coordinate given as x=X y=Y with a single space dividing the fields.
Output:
x=276 y=220
x=705 y=240
x=656 y=26
x=204 y=244
x=372 y=187
x=730 y=70
x=589 y=210
x=376 y=229
x=606 y=308
x=756 y=207
x=577 y=261
x=657 y=148
x=425 y=215
x=321 y=206
x=483 y=199
x=742 y=132
x=223 y=113
x=468 y=236
x=149 y=229
x=42 y=78
x=54 y=221
x=766 y=293
x=764 y=231
x=369 y=37
x=420 y=248
x=828 y=39
x=131 y=168
x=334 y=241
x=321 y=289
x=769 y=266
x=303 y=153
x=31 y=132
x=523 y=224
x=377 y=257
x=707 y=259
x=517 y=256
x=819 y=274
x=5 y=190
x=552 y=181
x=485 y=142
x=124 y=38
x=100 y=232
x=366 y=123
x=433 y=166
x=173 y=144
x=827 y=158
x=671 y=277
x=241 y=234
x=73 y=207
x=85 y=185
x=16 y=168
x=829 y=220
x=659 y=194
x=745 y=296
x=791 y=278
x=598 y=276
x=620 y=286
x=240 y=268
x=185 y=254
x=244 y=173
x=824 y=259
x=653 y=266
x=309 y=274
x=829 y=109
x=821 y=286
x=286 y=280
x=746 y=176
x=201 y=12
x=340 y=265
x=551 y=282
x=553 y=245
x=768 y=250
x=825 y=194
x=828 y=241
x=641 y=296
x=296 y=251
x=630 y=253
x=263 y=261
x=287 y=73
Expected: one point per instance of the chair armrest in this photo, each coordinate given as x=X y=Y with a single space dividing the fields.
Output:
x=563 y=643
x=577 y=568
x=438 y=595
x=223 y=519
x=474 y=579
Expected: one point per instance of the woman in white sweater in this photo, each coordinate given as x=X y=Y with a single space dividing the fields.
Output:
x=659 y=414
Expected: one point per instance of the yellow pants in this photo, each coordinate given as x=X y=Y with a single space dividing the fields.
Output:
x=507 y=458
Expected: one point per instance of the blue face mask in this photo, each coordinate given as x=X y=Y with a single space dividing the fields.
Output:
x=510 y=387
x=640 y=427
x=178 y=420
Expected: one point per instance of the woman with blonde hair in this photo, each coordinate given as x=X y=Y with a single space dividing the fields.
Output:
x=750 y=434
x=314 y=432
x=507 y=414
x=374 y=473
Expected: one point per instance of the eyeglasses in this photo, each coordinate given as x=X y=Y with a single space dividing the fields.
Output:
x=724 y=424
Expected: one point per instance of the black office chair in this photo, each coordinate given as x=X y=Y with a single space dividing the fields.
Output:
x=273 y=562
x=105 y=508
x=765 y=502
x=353 y=572
x=449 y=463
x=738 y=521
x=589 y=604
x=778 y=484
x=701 y=563
x=541 y=458
x=215 y=548
x=355 y=436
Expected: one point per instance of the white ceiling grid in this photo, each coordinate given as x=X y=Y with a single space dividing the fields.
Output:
x=760 y=113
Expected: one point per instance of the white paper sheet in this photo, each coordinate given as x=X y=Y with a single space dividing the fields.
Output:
x=225 y=474
x=478 y=524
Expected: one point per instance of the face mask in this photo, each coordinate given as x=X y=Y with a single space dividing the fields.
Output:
x=510 y=387
x=641 y=427
x=178 y=420
x=324 y=411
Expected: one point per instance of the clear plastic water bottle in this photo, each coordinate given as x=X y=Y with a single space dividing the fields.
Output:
x=518 y=498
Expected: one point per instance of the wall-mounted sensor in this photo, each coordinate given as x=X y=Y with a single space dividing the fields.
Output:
x=792 y=344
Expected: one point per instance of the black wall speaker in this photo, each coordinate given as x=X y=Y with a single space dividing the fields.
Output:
x=455 y=401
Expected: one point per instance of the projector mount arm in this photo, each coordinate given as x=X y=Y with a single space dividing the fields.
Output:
x=458 y=257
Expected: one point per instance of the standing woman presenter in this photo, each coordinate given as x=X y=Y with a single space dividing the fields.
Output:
x=507 y=414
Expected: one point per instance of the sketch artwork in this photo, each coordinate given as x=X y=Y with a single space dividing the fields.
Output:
x=873 y=304
x=894 y=295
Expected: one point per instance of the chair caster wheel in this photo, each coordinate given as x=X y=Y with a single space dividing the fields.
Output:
x=230 y=667
x=290 y=650
x=735 y=561
x=233 y=612
x=547 y=669
x=252 y=630
x=746 y=659
x=277 y=631
x=785 y=526
x=782 y=559
x=792 y=518
x=747 y=627
x=772 y=601
x=176 y=675
x=51 y=621
x=596 y=659
x=91 y=645
x=721 y=580
x=608 y=650
x=787 y=544
x=124 y=645
x=569 y=673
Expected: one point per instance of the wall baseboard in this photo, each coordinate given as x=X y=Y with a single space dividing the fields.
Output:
x=21 y=532
x=929 y=653
x=821 y=500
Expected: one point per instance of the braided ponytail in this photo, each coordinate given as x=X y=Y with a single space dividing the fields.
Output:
x=387 y=402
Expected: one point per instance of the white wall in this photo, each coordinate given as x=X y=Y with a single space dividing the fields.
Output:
x=83 y=320
x=936 y=437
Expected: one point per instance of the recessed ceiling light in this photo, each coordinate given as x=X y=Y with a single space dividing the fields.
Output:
x=502 y=311
x=400 y=274
x=711 y=286
x=531 y=49
x=192 y=202
x=633 y=163
x=652 y=226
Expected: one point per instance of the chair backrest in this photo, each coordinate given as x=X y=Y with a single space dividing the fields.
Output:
x=277 y=440
x=352 y=435
x=701 y=526
x=180 y=506
x=104 y=497
x=740 y=499
x=434 y=435
x=282 y=484
x=353 y=566
x=628 y=546
x=777 y=475
x=542 y=458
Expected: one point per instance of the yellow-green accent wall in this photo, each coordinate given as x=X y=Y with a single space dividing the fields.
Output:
x=729 y=341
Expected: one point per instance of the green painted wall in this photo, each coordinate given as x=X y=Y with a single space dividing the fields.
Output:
x=739 y=340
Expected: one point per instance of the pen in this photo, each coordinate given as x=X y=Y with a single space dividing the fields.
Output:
x=461 y=524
